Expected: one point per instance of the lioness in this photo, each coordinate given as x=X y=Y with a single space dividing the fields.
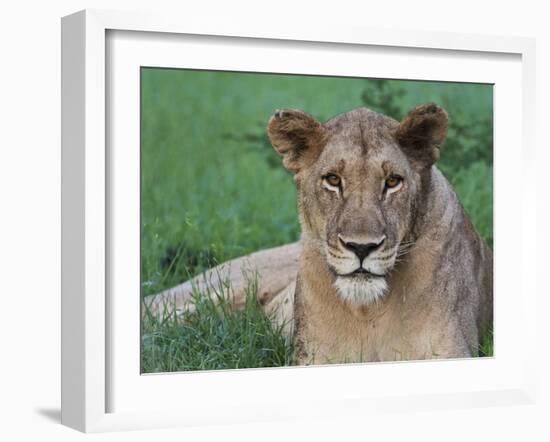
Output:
x=389 y=267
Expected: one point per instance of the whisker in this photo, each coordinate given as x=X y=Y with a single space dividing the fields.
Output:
x=330 y=252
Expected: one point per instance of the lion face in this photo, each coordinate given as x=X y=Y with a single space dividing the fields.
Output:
x=360 y=180
x=360 y=212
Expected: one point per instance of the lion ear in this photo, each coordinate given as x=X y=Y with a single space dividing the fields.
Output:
x=297 y=137
x=422 y=132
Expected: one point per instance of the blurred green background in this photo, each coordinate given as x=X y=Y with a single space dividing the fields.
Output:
x=212 y=187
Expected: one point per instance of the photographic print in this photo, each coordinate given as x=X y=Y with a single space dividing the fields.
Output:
x=291 y=220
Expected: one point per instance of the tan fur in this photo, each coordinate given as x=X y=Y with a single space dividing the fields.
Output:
x=437 y=271
x=438 y=300
x=274 y=269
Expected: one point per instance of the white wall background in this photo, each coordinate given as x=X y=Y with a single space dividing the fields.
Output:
x=30 y=215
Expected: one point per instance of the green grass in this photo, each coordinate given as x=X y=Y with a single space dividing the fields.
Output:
x=486 y=347
x=213 y=336
x=213 y=188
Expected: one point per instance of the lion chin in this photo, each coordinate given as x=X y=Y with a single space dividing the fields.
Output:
x=359 y=290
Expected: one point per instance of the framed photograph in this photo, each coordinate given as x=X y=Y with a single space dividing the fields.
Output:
x=265 y=223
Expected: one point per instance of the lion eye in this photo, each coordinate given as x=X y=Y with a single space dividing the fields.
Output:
x=332 y=180
x=393 y=182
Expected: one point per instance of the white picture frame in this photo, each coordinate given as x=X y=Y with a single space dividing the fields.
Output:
x=89 y=326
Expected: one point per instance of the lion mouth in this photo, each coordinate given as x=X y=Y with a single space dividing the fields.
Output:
x=363 y=273
x=361 y=287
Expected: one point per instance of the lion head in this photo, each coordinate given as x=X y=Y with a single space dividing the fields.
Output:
x=361 y=179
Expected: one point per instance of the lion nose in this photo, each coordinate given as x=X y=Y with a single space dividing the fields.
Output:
x=362 y=250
